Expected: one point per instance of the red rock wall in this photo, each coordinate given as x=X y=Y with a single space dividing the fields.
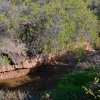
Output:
x=23 y=65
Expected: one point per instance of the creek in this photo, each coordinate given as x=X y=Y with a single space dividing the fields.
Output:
x=45 y=77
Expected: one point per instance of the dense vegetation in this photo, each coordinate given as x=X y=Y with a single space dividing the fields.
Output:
x=47 y=26
x=79 y=85
x=94 y=6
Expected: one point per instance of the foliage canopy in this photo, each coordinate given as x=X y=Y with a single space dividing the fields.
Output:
x=49 y=25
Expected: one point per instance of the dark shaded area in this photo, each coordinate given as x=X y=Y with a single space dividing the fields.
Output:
x=30 y=37
x=95 y=7
x=45 y=77
x=72 y=84
x=4 y=85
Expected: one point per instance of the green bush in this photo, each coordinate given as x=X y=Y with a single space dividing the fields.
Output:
x=94 y=6
x=93 y=90
x=69 y=87
x=76 y=52
x=4 y=60
x=8 y=20
x=57 y=23
x=9 y=27
x=48 y=26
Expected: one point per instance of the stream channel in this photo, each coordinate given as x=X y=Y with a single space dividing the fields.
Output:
x=44 y=78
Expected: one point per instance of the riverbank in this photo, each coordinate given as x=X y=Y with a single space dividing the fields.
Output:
x=45 y=78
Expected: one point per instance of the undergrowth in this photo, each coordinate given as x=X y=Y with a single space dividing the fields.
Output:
x=4 y=61
x=69 y=87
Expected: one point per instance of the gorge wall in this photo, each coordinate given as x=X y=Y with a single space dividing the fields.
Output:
x=21 y=64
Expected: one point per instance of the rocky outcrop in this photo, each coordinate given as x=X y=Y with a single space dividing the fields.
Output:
x=20 y=59
x=24 y=62
x=21 y=64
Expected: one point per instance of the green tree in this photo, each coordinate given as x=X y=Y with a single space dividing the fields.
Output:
x=49 y=25
x=60 y=22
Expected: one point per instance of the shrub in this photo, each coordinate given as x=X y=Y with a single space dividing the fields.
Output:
x=69 y=87
x=93 y=91
x=94 y=6
x=47 y=26
x=14 y=95
x=9 y=27
x=17 y=2
x=76 y=50
x=54 y=24
x=4 y=60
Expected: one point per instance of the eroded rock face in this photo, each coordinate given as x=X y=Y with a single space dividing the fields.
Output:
x=22 y=64
x=22 y=61
x=16 y=58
